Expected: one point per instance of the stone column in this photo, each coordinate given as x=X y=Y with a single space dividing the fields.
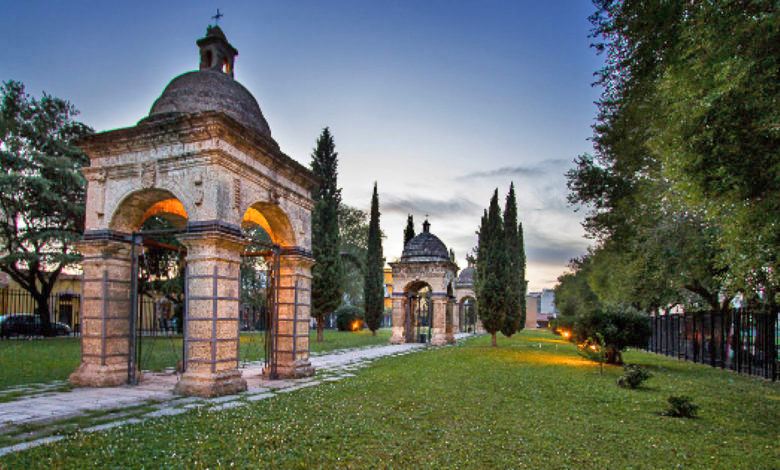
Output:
x=454 y=315
x=399 y=304
x=105 y=319
x=211 y=332
x=291 y=348
x=441 y=335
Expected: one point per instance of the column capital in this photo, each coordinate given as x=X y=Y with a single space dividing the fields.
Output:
x=103 y=249
x=213 y=245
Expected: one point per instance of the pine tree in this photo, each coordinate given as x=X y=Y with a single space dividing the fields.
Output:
x=409 y=231
x=512 y=273
x=491 y=264
x=373 y=292
x=42 y=192
x=326 y=284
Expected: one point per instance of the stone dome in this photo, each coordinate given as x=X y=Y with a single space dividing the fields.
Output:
x=212 y=87
x=425 y=247
x=466 y=276
x=209 y=90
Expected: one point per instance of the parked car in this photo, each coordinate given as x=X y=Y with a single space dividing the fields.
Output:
x=27 y=324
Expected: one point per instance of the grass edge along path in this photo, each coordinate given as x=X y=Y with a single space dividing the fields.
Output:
x=531 y=403
x=45 y=360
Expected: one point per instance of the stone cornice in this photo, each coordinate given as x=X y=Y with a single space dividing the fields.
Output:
x=424 y=264
x=175 y=129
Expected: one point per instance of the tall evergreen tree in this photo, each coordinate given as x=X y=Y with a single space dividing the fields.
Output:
x=512 y=275
x=326 y=284
x=491 y=264
x=374 y=293
x=523 y=284
x=42 y=192
x=409 y=231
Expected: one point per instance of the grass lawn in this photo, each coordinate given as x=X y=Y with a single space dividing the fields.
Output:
x=44 y=360
x=530 y=403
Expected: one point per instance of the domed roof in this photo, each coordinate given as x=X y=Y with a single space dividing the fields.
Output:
x=466 y=276
x=210 y=90
x=425 y=247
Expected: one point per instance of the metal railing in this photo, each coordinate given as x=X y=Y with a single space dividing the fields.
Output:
x=64 y=309
x=745 y=341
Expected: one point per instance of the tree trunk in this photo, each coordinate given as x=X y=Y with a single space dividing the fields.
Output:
x=614 y=357
x=373 y=332
x=493 y=335
x=320 y=326
x=44 y=315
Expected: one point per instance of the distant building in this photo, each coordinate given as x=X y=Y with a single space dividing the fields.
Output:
x=547 y=305
x=532 y=300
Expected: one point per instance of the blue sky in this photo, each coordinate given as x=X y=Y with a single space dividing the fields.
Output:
x=440 y=102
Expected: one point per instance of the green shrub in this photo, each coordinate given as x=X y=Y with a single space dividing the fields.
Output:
x=633 y=376
x=347 y=316
x=681 y=407
x=620 y=328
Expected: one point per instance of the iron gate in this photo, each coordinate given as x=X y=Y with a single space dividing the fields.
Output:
x=419 y=318
x=153 y=328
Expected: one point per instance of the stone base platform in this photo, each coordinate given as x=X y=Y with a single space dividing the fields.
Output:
x=93 y=375
x=210 y=384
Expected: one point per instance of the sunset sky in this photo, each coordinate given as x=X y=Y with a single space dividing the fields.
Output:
x=439 y=102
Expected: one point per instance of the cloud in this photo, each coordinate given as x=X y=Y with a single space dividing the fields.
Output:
x=420 y=206
x=544 y=167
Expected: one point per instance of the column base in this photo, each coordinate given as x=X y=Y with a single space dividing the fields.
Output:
x=397 y=337
x=294 y=370
x=95 y=375
x=210 y=384
x=440 y=339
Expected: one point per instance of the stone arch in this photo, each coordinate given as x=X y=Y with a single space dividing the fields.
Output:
x=202 y=153
x=417 y=311
x=467 y=312
x=273 y=220
x=137 y=205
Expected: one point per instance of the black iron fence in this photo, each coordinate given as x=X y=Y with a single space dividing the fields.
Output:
x=64 y=313
x=745 y=341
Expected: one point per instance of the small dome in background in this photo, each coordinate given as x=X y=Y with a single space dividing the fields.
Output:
x=466 y=276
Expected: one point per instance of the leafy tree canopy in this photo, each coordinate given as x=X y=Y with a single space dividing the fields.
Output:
x=42 y=192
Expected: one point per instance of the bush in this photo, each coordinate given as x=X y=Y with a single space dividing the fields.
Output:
x=347 y=316
x=620 y=329
x=681 y=407
x=594 y=350
x=633 y=376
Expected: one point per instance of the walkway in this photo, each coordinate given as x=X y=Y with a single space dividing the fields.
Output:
x=49 y=416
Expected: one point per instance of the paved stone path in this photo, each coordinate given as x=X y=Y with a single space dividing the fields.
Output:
x=44 y=416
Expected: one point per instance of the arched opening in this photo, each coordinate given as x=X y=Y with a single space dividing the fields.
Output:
x=449 y=321
x=155 y=217
x=269 y=231
x=136 y=208
x=467 y=307
x=273 y=221
x=418 y=312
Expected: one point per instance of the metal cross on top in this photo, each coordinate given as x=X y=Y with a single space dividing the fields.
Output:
x=217 y=17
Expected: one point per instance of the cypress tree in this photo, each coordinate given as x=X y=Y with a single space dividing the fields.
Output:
x=491 y=265
x=373 y=292
x=326 y=283
x=512 y=273
x=409 y=231
x=523 y=284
